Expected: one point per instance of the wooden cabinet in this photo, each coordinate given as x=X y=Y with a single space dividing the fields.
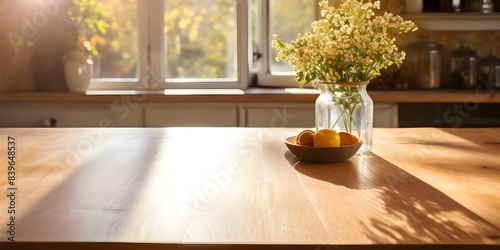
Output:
x=191 y=115
x=385 y=115
x=58 y=115
x=279 y=115
x=174 y=114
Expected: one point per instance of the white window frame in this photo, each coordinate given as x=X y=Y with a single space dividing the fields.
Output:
x=150 y=54
x=141 y=81
x=264 y=75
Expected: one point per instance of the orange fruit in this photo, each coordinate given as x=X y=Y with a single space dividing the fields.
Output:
x=347 y=139
x=326 y=138
x=305 y=138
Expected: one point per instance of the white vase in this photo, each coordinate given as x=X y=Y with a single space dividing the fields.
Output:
x=78 y=71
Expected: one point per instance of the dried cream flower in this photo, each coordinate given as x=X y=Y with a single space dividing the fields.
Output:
x=348 y=44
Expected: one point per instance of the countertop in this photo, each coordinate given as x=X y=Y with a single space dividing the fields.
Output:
x=252 y=95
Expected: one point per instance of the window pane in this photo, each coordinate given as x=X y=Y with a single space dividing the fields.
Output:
x=200 y=39
x=117 y=48
x=287 y=19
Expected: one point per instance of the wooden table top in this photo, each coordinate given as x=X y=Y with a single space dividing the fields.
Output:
x=190 y=188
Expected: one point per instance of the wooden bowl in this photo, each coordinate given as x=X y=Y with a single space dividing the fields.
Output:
x=317 y=154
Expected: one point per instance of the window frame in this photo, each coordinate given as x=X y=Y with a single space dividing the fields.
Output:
x=140 y=82
x=264 y=75
x=150 y=59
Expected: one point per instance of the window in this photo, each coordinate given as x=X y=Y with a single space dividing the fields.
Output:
x=200 y=40
x=122 y=50
x=159 y=44
x=118 y=55
x=206 y=43
x=286 y=18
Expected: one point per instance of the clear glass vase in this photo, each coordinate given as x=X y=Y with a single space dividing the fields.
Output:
x=346 y=107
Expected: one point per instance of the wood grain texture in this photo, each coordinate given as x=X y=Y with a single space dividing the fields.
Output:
x=179 y=187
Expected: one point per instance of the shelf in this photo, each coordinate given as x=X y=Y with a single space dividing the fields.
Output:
x=455 y=21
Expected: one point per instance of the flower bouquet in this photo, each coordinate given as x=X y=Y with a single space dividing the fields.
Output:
x=345 y=49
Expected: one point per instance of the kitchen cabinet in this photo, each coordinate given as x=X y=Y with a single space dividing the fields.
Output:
x=175 y=115
x=57 y=115
x=385 y=115
x=279 y=115
x=191 y=115
x=263 y=109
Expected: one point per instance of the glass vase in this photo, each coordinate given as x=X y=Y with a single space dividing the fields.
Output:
x=346 y=107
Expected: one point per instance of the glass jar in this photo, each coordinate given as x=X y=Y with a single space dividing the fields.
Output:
x=422 y=66
x=463 y=66
x=346 y=107
x=489 y=71
x=414 y=6
x=487 y=6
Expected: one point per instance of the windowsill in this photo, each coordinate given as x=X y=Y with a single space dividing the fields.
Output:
x=196 y=92
x=251 y=95
x=211 y=92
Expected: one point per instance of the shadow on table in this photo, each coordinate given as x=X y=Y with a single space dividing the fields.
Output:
x=351 y=176
x=401 y=208
x=95 y=201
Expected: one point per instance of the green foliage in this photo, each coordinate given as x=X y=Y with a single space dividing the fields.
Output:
x=118 y=47
x=91 y=21
x=200 y=38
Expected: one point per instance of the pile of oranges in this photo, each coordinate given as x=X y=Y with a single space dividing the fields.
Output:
x=326 y=138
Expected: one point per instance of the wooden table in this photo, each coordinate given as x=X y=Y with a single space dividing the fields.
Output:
x=212 y=188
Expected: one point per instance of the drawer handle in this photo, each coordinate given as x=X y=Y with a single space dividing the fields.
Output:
x=49 y=122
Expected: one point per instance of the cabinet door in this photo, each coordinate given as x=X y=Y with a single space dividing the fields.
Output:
x=37 y=115
x=302 y=116
x=192 y=115
x=385 y=115
x=280 y=115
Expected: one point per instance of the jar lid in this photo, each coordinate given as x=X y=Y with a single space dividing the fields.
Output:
x=463 y=50
x=423 y=43
x=490 y=60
